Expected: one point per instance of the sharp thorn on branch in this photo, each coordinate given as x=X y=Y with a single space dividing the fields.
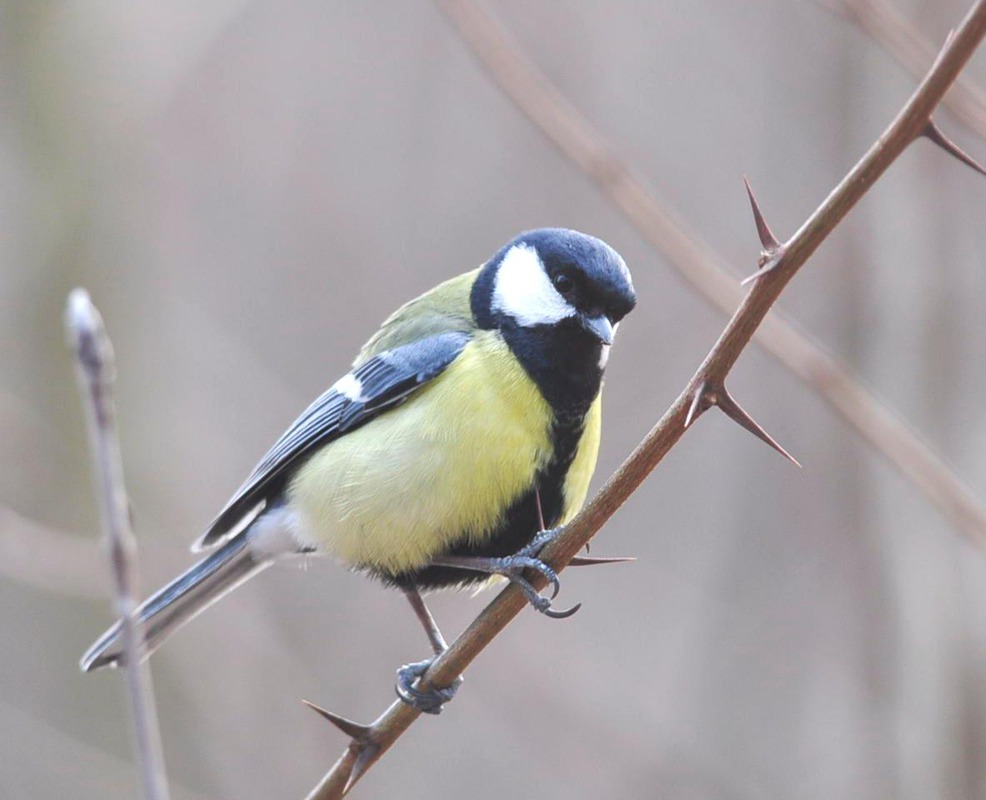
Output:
x=700 y=402
x=358 y=733
x=767 y=238
x=761 y=272
x=934 y=133
x=537 y=502
x=365 y=755
x=583 y=561
x=733 y=410
x=772 y=249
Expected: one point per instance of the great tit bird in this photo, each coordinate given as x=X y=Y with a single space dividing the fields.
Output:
x=466 y=431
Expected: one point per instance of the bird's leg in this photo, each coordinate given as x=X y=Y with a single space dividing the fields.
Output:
x=429 y=701
x=512 y=568
x=438 y=643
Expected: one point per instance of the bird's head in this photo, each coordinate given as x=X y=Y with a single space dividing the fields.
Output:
x=555 y=278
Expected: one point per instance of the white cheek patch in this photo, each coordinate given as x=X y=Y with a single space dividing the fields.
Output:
x=523 y=291
x=349 y=387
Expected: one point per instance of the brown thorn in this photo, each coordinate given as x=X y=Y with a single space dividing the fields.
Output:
x=537 y=501
x=365 y=754
x=733 y=410
x=767 y=238
x=934 y=133
x=699 y=404
x=761 y=272
x=358 y=733
x=770 y=256
x=582 y=561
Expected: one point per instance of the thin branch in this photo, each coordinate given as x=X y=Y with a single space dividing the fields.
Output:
x=96 y=373
x=911 y=121
x=709 y=393
x=935 y=135
x=882 y=21
x=702 y=267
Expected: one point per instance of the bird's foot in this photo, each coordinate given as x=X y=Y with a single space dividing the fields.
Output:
x=538 y=542
x=512 y=568
x=430 y=701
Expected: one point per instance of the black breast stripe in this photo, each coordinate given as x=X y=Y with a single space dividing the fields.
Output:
x=520 y=522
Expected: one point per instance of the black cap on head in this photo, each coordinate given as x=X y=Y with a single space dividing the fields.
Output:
x=543 y=276
x=600 y=279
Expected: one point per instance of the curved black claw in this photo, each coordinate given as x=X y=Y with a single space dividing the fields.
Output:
x=429 y=701
x=540 y=603
x=550 y=612
x=512 y=568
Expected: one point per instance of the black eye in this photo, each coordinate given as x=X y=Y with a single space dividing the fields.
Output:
x=564 y=282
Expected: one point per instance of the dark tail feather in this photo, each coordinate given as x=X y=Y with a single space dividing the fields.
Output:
x=178 y=602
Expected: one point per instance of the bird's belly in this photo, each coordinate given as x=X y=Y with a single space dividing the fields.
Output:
x=436 y=472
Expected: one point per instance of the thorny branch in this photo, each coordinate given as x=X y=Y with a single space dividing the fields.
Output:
x=702 y=267
x=70 y=564
x=369 y=742
x=95 y=370
x=881 y=20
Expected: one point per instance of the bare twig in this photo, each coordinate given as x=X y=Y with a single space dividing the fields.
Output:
x=881 y=20
x=703 y=268
x=377 y=738
x=935 y=135
x=96 y=373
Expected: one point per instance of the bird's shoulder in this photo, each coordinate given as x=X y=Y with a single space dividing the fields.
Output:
x=415 y=345
x=444 y=309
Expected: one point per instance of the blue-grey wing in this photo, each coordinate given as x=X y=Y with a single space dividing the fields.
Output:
x=374 y=386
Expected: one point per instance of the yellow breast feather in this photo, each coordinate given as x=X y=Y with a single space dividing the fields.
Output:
x=584 y=464
x=440 y=468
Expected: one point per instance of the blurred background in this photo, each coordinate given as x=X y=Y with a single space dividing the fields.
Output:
x=248 y=189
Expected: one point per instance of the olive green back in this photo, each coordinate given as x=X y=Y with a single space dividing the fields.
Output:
x=441 y=310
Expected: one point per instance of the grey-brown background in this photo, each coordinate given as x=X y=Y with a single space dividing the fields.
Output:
x=247 y=189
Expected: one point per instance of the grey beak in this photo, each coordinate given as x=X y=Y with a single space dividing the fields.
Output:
x=600 y=327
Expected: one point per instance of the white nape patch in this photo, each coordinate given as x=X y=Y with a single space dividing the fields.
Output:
x=524 y=292
x=350 y=387
x=274 y=534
